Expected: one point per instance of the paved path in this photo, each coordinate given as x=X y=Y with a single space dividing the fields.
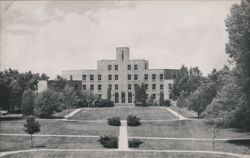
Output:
x=51 y=135
x=115 y=150
x=123 y=136
x=176 y=114
x=198 y=139
x=72 y=113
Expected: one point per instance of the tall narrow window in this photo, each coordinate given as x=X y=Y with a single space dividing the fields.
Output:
x=91 y=77
x=116 y=67
x=109 y=67
x=153 y=76
x=110 y=77
x=129 y=67
x=110 y=86
x=99 y=77
x=99 y=87
x=161 y=76
x=116 y=77
x=135 y=67
x=129 y=76
x=84 y=87
x=116 y=87
x=135 y=77
x=84 y=77
x=71 y=77
x=122 y=55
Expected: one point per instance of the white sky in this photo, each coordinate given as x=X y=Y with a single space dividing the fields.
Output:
x=53 y=36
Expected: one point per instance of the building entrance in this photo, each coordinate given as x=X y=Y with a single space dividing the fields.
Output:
x=123 y=97
x=129 y=97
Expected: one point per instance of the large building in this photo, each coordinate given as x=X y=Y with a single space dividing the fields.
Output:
x=122 y=76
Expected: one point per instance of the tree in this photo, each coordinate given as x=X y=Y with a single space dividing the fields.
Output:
x=70 y=98
x=31 y=126
x=238 y=48
x=140 y=94
x=109 y=94
x=28 y=102
x=58 y=84
x=47 y=103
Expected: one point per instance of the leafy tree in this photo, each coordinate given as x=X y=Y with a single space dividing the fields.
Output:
x=151 y=99
x=70 y=97
x=140 y=94
x=47 y=103
x=28 y=102
x=58 y=84
x=31 y=126
x=109 y=94
x=88 y=97
x=238 y=48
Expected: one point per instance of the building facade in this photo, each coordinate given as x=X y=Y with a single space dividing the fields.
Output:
x=122 y=76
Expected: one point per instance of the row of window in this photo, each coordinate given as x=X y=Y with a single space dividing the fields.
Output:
x=129 y=67
x=99 y=86
x=99 y=77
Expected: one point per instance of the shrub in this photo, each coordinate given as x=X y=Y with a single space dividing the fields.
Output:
x=142 y=104
x=133 y=121
x=104 y=103
x=134 y=143
x=165 y=103
x=109 y=141
x=114 y=121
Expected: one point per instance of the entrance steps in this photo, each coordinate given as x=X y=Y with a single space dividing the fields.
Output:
x=124 y=105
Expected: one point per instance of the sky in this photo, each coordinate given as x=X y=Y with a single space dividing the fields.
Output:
x=51 y=36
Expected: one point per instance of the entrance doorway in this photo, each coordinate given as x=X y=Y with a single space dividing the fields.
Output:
x=116 y=97
x=123 y=97
x=129 y=97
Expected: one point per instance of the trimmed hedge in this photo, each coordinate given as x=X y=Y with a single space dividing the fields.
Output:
x=104 y=103
x=114 y=121
x=133 y=120
x=134 y=143
x=109 y=141
x=166 y=103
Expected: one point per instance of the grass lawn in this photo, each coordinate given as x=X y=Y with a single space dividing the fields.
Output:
x=182 y=129
x=145 y=113
x=9 y=143
x=63 y=127
x=193 y=145
x=184 y=112
x=111 y=154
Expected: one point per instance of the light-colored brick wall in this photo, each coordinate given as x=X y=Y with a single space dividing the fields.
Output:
x=122 y=60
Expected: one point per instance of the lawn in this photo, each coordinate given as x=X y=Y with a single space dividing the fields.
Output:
x=63 y=127
x=12 y=143
x=182 y=129
x=184 y=112
x=154 y=144
x=111 y=154
x=147 y=113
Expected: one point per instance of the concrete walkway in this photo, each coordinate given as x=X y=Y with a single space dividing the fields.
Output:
x=195 y=139
x=72 y=113
x=178 y=115
x=51 y=135
x=123 y=136
x=114 y=150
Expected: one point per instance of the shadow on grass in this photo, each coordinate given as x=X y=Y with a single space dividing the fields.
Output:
x=10 y=118
x=240 y=142
x=38 y=146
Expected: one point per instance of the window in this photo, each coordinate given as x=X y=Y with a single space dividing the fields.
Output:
x=146 y=77
x=109 y=67
x=146 y=86
x=129 y=77
x=129 y=86
x=99 y=77
x=153 y=86
x=71 y=77
x=100 y=96
x=154 y=96
x=110 y=77
x=122 y=55
x=84 y=77
x=135 y=67
x=99 y=87
x=116 y=77
x=161 y=76
x=153 y=76
x=116 y=67
x=129 y=67
x=84 y=87
x=169 y=86
x=161 y=86
x=146 y=66
x=116 y=86
x=92 y=87
x=146 y=95
x=135 y=77
x=91 y=77
x=110 y=86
